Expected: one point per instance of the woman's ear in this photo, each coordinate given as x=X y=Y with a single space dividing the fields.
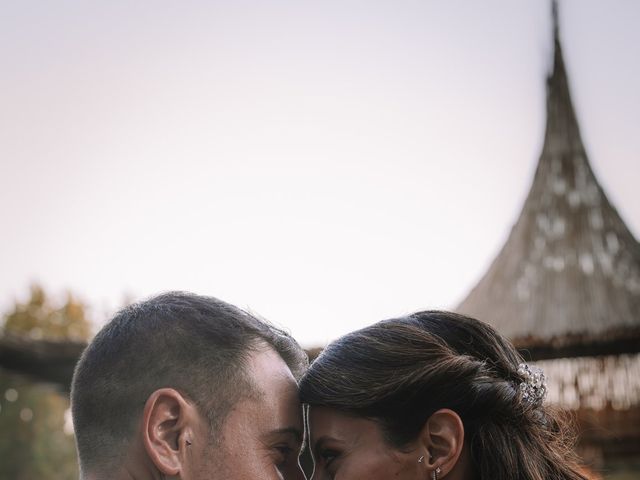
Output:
x=443 y=438
x=166 y=429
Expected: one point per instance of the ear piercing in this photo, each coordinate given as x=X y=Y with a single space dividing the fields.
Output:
x=188 y=443
x=434 y=473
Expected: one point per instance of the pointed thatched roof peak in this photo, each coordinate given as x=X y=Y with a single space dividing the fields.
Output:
x=567 y=281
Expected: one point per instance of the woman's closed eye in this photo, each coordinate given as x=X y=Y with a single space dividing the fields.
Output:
x=328 y=455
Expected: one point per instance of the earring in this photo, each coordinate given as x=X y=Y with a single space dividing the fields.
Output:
x=421 y=459
x=435 y=473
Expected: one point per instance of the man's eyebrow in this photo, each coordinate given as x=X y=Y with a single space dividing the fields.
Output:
x=289 y=431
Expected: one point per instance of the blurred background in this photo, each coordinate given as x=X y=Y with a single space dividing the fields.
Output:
x=326 y=165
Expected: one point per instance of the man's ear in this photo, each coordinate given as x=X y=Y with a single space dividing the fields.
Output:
x=443 y=438
x=166 y=429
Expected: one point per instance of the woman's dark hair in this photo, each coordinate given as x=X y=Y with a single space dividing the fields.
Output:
x=399 y=372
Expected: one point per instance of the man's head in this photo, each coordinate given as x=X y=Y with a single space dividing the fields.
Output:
x=188 y=386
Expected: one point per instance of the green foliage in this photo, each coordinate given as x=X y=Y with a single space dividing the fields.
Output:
x=33 y=442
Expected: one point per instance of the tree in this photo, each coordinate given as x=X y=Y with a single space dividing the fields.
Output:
x=40 y=319
x=36 y=440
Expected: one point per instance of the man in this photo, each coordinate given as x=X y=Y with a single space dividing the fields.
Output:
x=189 y=387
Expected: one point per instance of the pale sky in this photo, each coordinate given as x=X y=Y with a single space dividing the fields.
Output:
x=324 y=164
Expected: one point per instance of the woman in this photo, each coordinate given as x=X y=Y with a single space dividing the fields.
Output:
x=434 y=395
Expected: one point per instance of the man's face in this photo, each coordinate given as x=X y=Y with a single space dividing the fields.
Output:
x=261 y=436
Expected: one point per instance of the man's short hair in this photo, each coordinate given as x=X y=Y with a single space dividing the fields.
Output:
x=194 y=344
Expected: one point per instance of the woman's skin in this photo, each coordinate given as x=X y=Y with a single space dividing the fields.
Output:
x=346 y=447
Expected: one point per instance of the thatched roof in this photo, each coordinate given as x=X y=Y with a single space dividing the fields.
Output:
x=567 y=281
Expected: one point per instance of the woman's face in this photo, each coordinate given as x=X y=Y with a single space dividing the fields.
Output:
x=349 y=448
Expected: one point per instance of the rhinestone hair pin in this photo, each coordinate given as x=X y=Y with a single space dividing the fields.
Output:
x=533 y=388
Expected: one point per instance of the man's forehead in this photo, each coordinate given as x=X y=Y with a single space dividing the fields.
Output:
x=268 y=372
x=273 y=405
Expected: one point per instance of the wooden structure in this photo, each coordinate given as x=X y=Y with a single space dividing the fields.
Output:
x=565 y=288
x=45 y=360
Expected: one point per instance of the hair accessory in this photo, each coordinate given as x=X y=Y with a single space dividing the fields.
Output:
x=533 y=387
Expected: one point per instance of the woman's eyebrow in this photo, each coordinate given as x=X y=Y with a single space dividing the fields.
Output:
x=319 y=443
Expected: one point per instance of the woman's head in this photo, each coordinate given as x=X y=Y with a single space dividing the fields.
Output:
x=436 y=389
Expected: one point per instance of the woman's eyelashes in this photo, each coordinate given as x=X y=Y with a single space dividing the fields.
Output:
x=328 y=456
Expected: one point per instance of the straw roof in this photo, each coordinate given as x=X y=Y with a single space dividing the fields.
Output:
x=567 y=281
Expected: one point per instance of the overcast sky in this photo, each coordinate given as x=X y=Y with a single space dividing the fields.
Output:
x=325 y=164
